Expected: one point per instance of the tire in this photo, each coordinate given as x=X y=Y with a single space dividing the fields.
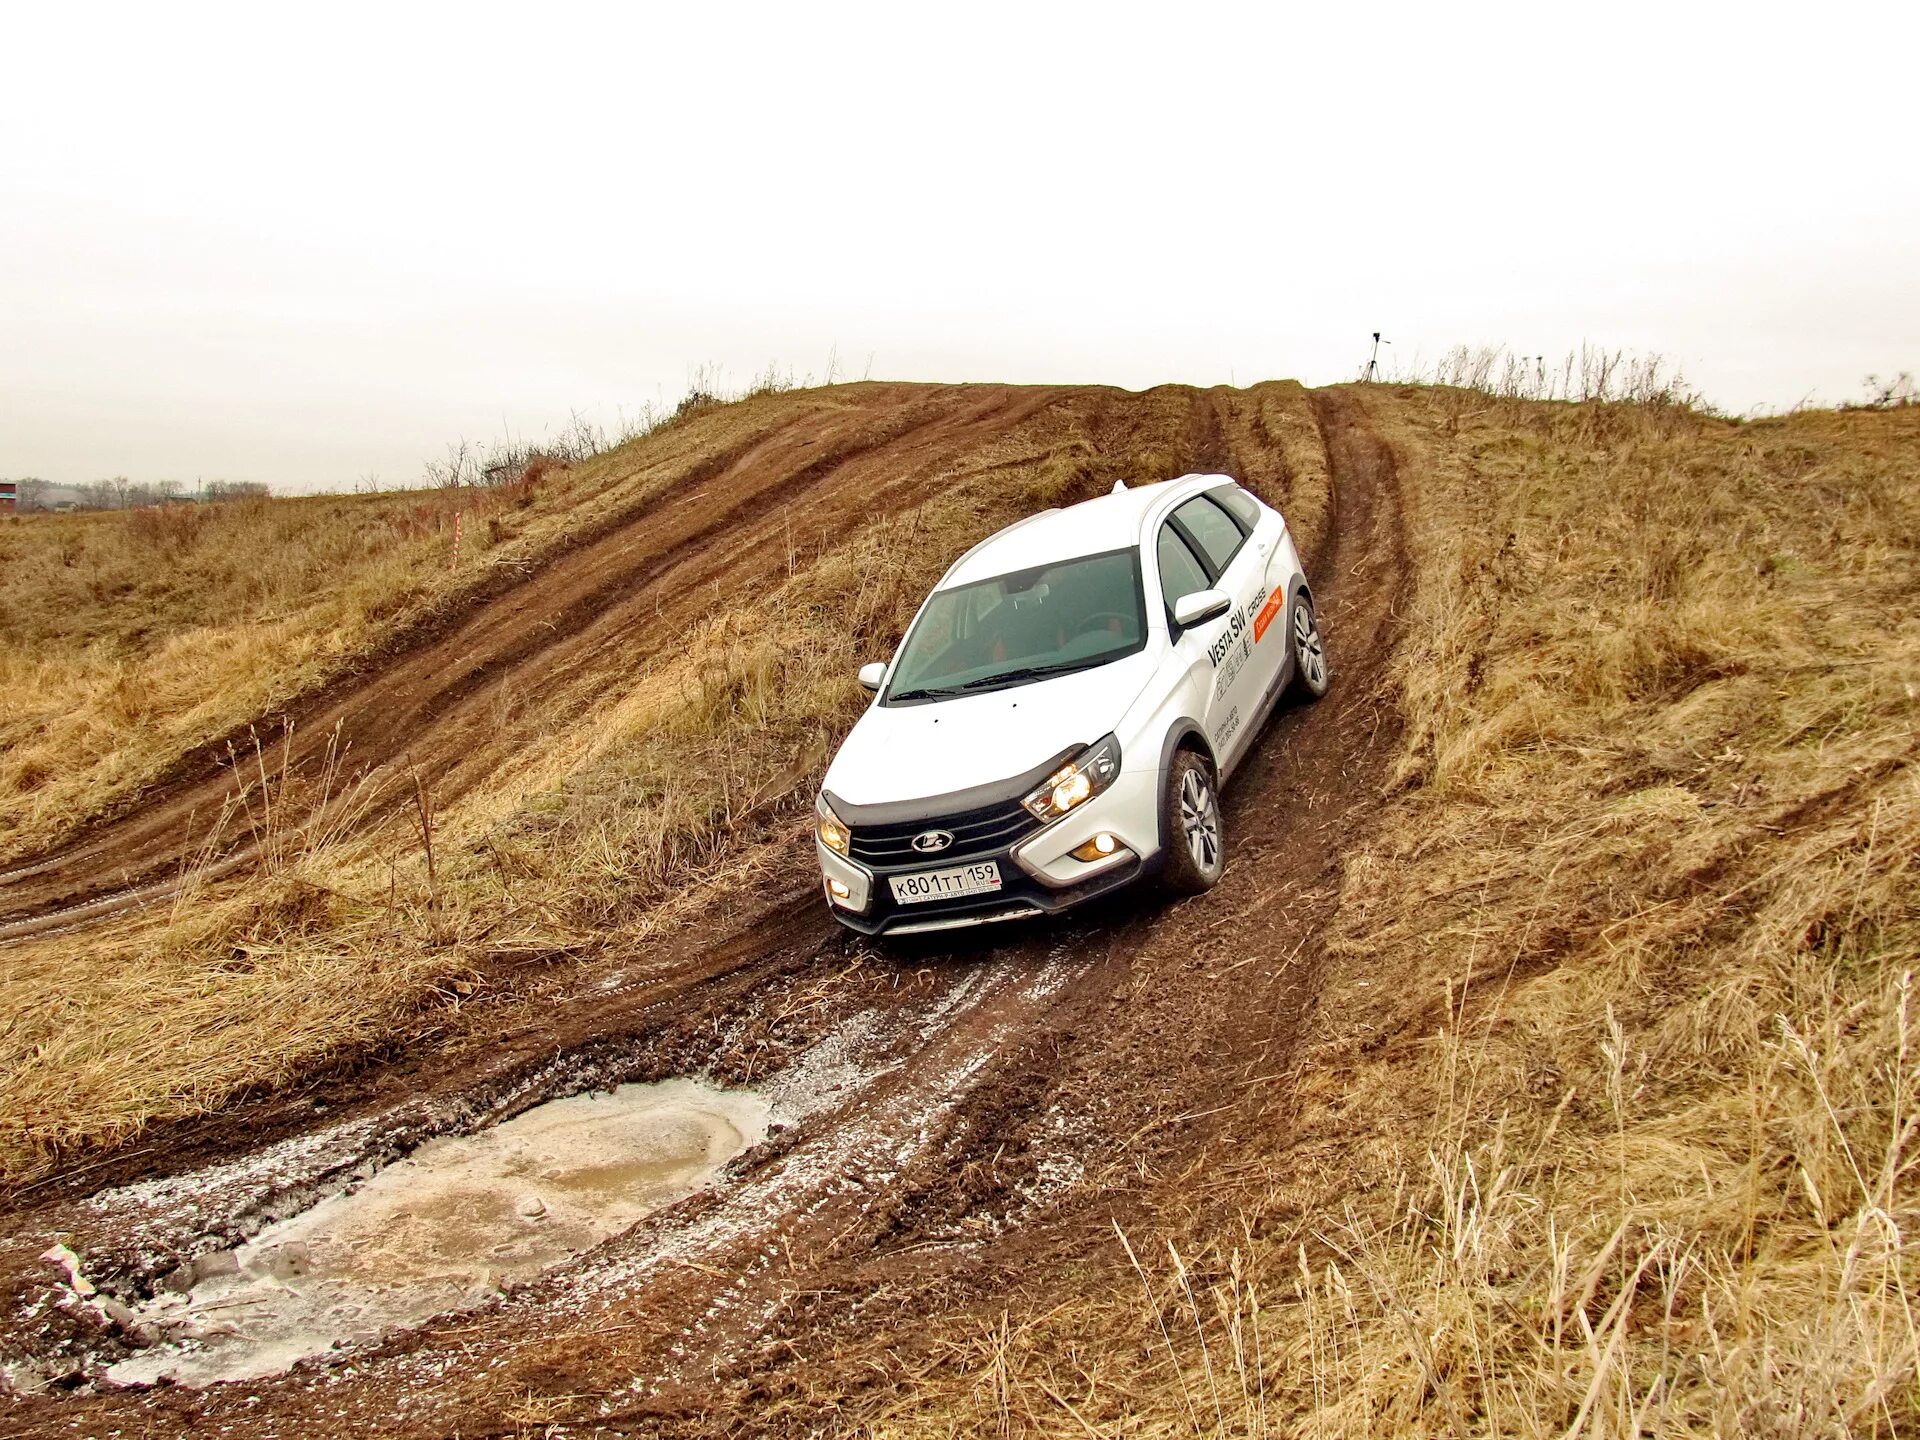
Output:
x=1196 y=832
x=1312 y=675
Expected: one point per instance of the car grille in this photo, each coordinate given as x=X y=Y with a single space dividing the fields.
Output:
x=975 y=832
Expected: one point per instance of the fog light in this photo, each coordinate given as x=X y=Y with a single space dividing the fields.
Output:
x=837 y=890
x=1098 y=848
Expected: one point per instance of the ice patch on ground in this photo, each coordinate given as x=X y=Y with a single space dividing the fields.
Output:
x=257 y=1170
x=445 y=1228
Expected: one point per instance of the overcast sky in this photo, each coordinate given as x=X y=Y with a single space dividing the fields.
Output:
x=309 y=245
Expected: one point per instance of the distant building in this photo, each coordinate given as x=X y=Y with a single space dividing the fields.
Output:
x=9 y=497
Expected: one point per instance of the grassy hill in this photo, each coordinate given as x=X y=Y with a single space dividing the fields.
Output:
x=592 y=787
x=1607 y=1121
x=1602 y=1116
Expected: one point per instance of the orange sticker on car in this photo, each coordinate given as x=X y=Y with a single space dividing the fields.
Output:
x=1267 y=611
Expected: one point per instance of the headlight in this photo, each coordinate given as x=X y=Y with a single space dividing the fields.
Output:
x=827 y=826
x=1078 y=781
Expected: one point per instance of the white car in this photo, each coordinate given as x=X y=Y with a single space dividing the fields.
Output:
x=1064 y=709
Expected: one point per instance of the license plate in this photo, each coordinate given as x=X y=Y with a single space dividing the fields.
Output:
x=925 y=885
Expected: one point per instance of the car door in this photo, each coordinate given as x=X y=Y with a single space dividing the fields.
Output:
x=1266 y=535
x=1236 y=563
x=1182 y=571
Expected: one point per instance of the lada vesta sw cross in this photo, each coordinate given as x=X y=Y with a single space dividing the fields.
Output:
x=1065 y=708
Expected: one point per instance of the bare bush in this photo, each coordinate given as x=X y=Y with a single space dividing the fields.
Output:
x=1591 y=373
x=171 y=528
x=1888 y=394
x=471 y=465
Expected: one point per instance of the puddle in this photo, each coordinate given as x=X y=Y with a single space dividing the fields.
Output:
x=444 y=1228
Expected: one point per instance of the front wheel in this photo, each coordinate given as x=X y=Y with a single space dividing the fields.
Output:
x=1196 y=834
x=1311 y=674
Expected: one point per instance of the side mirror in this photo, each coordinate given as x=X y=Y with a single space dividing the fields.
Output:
x=872 y=675
x=1200 y=607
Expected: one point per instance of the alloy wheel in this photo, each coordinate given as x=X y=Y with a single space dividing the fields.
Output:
x=1200 y=821
x=1306 y=645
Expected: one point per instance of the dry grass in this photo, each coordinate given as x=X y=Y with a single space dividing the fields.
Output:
x=131 y=636
x=593 y=810
x=1623 y=1148
x=1286 y=427
x=128 y=638
x=1627 y=1146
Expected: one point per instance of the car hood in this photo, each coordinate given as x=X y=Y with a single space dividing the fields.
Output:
x=914 y=752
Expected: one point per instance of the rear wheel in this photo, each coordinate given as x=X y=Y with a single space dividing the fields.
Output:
x=1311 y=674
x=1196 y=834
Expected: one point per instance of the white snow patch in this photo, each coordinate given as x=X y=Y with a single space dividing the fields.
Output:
x=445 y=1227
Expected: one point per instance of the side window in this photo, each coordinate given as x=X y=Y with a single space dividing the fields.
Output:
x=1242 y=506
x=1180 y=573
x=1212 y=529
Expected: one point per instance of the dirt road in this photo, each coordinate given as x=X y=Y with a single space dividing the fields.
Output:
x=632 y=589
x=956 y=1117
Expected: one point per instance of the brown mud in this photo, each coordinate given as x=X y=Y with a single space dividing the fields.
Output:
x=630 y=590
x=961 y=1117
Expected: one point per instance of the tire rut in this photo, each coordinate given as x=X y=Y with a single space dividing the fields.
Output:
x=1153 y=1032
x=637 y=587
x=1019 y=1097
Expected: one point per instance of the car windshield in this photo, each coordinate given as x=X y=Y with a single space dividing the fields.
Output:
x=1071 y=615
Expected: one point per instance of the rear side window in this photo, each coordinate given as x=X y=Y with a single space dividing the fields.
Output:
x=1180 y=573
x=1212 y=529
x=1242 y=506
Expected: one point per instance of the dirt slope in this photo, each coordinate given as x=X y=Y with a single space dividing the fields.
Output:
x=1543 y=1064
x=630 y=591
x=976 y=1085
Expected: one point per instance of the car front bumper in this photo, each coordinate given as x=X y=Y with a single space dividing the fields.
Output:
x=1039 y=874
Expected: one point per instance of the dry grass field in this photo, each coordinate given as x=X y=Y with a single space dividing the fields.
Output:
x=132 y=637
x=1633 y=1153
x=581 y=813
x=1604 y=1118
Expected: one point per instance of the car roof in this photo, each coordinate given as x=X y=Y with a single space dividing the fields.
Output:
x=1114 y=521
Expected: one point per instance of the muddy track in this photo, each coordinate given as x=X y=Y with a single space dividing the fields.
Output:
x=964 y=1118
x=635 y=591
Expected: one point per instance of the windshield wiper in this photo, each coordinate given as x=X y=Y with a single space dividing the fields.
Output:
x=995 y=682
x=1029 y=672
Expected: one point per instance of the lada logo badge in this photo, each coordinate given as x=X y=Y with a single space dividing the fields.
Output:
x=928 y=841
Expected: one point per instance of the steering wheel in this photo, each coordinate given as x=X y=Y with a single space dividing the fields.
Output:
x=1099 y=617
